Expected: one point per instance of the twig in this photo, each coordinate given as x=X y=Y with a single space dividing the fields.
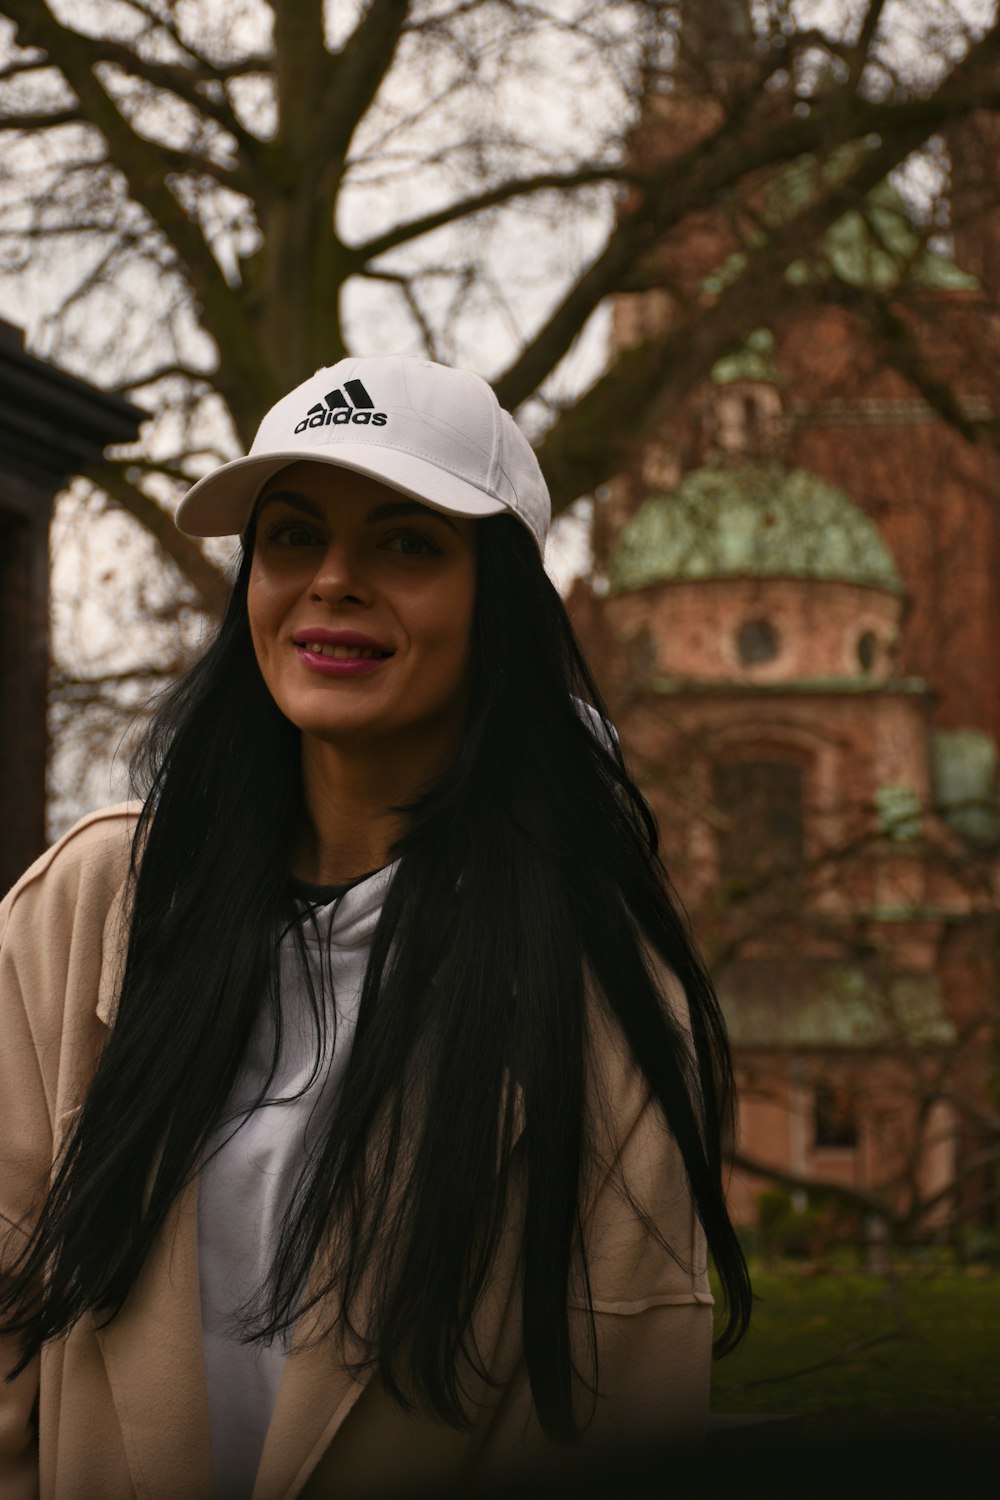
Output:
x=844 y=1357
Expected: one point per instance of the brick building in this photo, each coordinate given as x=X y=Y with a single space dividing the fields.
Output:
x=796 y=619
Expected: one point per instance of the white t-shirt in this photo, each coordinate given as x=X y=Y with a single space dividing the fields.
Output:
x=245 y=1189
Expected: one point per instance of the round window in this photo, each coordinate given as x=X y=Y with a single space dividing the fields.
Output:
x=757 y=641
x=867 y=648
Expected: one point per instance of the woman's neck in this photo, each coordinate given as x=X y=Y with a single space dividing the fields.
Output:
x=350 y=826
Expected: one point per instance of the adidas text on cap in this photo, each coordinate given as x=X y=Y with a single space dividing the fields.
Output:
x=433 y=433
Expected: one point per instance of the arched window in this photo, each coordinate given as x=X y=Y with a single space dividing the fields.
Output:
x=866 y=648
x=835 y=1120
x=757 y=642
x=744 y=419
x=761 y=824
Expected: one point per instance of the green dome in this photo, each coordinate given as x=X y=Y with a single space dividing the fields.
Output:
x=751 y=521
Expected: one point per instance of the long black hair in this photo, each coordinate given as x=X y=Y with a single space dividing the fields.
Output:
x=527 y=876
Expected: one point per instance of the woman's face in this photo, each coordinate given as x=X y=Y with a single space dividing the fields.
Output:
x=360 y=603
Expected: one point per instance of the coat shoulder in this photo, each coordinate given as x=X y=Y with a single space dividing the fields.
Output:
x=646 y=1246
x=615 y=1078
x=92 y=857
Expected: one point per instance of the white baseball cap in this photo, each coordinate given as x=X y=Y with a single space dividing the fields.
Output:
x=434 y=433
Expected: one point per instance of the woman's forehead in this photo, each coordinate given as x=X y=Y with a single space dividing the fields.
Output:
x=321 y=490
x=323 y=481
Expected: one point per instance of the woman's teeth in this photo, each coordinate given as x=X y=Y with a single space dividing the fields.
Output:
x=343 y=653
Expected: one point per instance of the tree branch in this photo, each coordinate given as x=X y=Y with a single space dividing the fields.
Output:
x=970 y=1168
x=207 y=581
x=26 y=122
x=901 y=352
x=720 y=163
x=350 y=86
x=464 y=208
x=162 y=372
x=179 y=81
x=141 y=161
x=38 y=26
x=860 y=51
x=842 y=1357
x=594 y=440
x=18 y=66
x=405 y=284
x=202 y=64
x=857 y=1197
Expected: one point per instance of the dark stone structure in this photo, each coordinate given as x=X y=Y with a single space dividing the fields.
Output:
x=51 y=424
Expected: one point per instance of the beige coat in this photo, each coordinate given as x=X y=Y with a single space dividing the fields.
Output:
x=122 y=1411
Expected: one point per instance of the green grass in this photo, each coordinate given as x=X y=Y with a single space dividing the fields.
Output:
x=935 y=1367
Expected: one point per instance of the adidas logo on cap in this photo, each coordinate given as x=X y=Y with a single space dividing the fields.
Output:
x=338 y=410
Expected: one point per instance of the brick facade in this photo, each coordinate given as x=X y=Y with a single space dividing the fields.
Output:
x=807 y=740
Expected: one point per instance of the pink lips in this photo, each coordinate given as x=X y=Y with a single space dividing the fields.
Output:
x=342 y=666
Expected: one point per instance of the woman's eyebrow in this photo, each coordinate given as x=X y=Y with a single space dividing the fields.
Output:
x=390 y=509
x=289 y=497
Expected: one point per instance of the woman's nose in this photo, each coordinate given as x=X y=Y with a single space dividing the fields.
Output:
x=339 y=575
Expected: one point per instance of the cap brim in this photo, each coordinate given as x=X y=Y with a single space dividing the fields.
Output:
x=221 y=503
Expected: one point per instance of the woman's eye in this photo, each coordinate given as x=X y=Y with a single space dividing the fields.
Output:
x=290 y=534
x=411 y=544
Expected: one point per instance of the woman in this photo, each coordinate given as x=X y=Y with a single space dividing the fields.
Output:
x=384 y=1089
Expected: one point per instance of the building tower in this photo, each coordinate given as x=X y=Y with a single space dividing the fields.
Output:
x=797 y=640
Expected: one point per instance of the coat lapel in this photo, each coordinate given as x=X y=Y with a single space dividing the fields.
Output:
x=370 y=1446
x=152 y=1350
x=315 y=1398
x=155 y=1364
x=317 y=1395
x=113 y=948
